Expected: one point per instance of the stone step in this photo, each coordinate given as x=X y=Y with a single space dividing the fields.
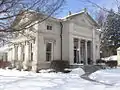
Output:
x=89 y=68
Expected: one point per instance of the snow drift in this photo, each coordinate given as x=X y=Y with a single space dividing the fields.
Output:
x=108 y=76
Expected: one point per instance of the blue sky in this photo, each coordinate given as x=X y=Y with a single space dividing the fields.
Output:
x=78 y=5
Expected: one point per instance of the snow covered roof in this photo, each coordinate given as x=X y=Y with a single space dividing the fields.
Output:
x=80 y=13
x=5 y=48
x=74 y=14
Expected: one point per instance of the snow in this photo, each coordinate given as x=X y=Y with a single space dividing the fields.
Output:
x=108 y=76
x=114 y=57
x=45 y=71
x=78 y=71
x=24 y=80
x=73 y=14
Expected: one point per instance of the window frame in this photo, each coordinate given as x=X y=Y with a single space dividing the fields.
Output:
x=49 y=27
x=49 y=52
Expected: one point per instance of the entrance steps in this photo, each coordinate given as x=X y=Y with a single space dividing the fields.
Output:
x=89 y=68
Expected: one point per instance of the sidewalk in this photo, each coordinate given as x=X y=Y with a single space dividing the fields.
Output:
x=91 y=69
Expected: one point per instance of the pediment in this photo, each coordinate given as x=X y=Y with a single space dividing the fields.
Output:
x=84 y=20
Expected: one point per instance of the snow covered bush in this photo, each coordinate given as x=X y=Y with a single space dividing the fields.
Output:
x=59 y=65
x=78 y=71
x=100 y=61
x=111 y=63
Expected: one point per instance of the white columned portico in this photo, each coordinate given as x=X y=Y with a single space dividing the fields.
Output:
x=86 y=53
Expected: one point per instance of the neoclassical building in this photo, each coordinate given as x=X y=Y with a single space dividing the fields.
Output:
x=74 y=38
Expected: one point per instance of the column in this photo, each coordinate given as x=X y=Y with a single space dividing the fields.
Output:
x=4 y=55
x=86 y=56
x=71 y=49
x=93 y=47
x=14 y=56
x=71 y=44
x=35 y=54
x=19 y=52
x=91 y=52
x=94 y=52
x=27 y=56
x=79 y=45
x=20 y=57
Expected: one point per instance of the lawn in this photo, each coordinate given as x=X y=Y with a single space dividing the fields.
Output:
x=23 y=80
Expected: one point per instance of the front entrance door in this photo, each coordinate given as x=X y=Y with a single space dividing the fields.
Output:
x=76 y=50
x=76 y=56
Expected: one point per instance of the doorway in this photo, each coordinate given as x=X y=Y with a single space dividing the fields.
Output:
x=76 y=50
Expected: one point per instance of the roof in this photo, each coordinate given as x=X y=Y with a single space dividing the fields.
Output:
x=34 y=16
x=80 y=13
x=39 y=14
x=74 y=14
x=5 y=48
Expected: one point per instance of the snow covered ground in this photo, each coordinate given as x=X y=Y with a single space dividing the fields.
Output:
x=114 y=57
x=23 y=80
x=108 y=76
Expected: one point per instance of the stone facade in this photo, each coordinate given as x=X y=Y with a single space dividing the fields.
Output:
x=77 y=33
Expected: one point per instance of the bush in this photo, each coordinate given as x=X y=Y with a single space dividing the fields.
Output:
x=111 y=63
x=100 y=61
x=4 y=64
x=59 y=65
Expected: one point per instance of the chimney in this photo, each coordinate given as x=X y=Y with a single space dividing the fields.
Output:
x=85 y=9
x=69 y=13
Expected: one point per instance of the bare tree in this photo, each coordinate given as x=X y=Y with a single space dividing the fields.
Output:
x=110 y=28
x=9 y=9
x=117 y=2
x=100 y=17
x=12 y=10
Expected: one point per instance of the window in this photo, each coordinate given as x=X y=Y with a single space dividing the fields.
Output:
x=23 y=50
x=96 y=46
x=23 y=56
x=49 y=27
x=31 y=56
x=31 y=47
x=48 y=51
